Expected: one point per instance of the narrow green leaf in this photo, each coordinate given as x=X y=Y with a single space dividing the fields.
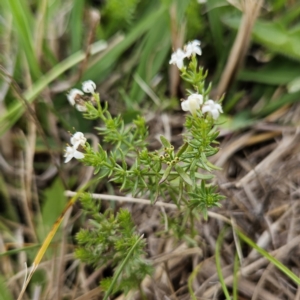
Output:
x=204 y=176
x=183 y=175
x=271 y=35
x=18 y=250
x=53 y=205
x=155 y=48
x=235 y=277
x=269 y=257
x=215 y=12
x=190 y=281
x=182 y=149
x=166 y=174
x=212 y=166
x=22 y=17
x=120 y=269
x=291 y=15
x=280 y=70
x=218 y=264
x=284 y=100
x=76 y=25
x=165 y=142
x=5 y=293
x=109 y=59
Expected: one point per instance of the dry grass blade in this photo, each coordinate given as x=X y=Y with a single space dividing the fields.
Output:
x=50 y=236
x=265 y=166
x=94 y=22
x=177 y=31
x=90 y=295
x=251 y=10
x=45 y=246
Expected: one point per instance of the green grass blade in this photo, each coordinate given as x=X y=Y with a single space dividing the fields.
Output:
x=190 y=281
x=52 y=206
x=277 y=72
x=271 y=35
x=17 y=109
x=269 y=257
x=218 y=264
x=4 y=294
x=76 y=28
x=215 y=12
x=22 y=17
x=291 y=15
x=235 y=277
x=99 y=70
x=18 y=250
x=120 y=269
x=154 y=53
x=284 y=100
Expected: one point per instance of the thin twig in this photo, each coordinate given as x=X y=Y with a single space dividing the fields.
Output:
x=145 y=202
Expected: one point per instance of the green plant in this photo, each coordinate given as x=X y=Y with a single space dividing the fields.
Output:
x=166 y=173
x=109 y=238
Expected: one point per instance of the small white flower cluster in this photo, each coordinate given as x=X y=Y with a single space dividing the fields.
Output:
x=75 y=98
x=77 y=140
x=195 y=101
x=192 y=48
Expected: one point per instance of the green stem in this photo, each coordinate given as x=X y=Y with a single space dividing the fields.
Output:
x=143 y=296
x=218 y=264
x=235 y=277
x=120 y=269
x=193 y=233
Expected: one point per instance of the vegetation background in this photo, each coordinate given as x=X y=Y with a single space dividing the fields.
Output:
x=252 y=52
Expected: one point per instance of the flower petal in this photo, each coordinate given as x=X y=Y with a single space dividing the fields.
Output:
x=197 y=98
x=81 y=108
x=73 y=94
x=219 y=107
x=68 y=158
x=185 y=105
x=192 y=103
x=212 y=108
x=177 y=58
x=193 y=48
x=78 y=155
x=205 y=109
x=77 y=139
x=89 y=86
x=215 y=114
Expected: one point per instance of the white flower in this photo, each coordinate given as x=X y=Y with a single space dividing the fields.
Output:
x=177 y=58
x=72 y=152
x=81 y=108
x=78 y=139
x=201 y=1
x=212 y=108
x=193 y=48
x=89 y=86
x=192 y=103
x=73 y=94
